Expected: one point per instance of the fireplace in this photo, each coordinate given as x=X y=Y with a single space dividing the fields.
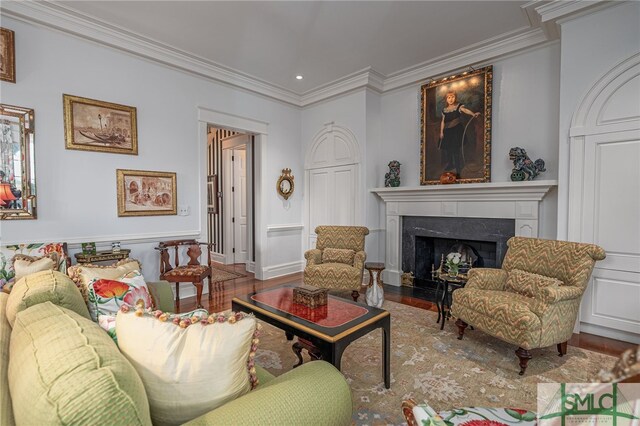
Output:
x=520 y=203
x=425 y=240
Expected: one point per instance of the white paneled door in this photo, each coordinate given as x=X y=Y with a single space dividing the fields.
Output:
x=332 y=197
x=240 y=205
x=611 y=219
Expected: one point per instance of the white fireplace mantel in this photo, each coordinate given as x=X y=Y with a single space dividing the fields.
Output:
x=504 y=200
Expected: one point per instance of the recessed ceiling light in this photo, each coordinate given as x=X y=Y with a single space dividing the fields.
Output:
x=298 y=77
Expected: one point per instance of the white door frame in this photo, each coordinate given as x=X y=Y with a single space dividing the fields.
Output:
x=260 y=130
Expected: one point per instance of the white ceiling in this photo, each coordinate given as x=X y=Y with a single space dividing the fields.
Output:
x=323 y=41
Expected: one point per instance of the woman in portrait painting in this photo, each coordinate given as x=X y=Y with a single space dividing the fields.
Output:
x=452 y=132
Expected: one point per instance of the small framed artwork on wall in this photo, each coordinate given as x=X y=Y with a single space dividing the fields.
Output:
x=7 y=55
x=146 y=193
x=91 y=125
x=455 y=127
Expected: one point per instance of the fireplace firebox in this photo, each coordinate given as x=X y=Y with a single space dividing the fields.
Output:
x=426 y=240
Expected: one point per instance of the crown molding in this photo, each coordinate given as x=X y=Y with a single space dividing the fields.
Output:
x=367 y=78
x=553 y=13
x=474 y=54
x=63 y=19
x=544 y=18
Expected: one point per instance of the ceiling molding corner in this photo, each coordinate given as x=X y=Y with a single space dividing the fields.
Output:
x=367 y=78
x=63 y=19
x=553 y=13
x=478 y=53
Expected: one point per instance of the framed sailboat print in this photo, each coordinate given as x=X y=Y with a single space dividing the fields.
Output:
x=92 y=125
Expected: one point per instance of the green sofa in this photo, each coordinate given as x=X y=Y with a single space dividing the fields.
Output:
x=58 y=367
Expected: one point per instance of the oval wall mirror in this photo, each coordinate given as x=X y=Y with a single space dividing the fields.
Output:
x=17 y=163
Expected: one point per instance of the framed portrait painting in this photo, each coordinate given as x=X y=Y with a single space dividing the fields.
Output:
x=91 y=125
x=7 y=55
x=146 y=193
x=455 y=128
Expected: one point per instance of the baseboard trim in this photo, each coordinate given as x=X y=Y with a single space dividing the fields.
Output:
x=598 y=330
x=391 y=277
x=251 y=267
x=282 y=269
x=218 y=257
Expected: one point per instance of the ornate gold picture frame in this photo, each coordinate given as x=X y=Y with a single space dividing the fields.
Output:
x=455 y=128
x=7 y=55
x=285 y=184
x=17 y=163
x=92 y=125
x=146 y=193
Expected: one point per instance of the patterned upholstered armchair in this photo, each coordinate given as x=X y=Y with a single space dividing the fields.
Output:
x=337 y=261
x=533 y=300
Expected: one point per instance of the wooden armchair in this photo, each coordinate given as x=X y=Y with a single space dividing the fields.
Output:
x=193 y=272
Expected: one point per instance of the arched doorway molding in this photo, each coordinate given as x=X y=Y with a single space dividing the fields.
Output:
x=332 y=176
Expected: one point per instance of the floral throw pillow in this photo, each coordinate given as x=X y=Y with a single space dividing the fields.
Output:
x=108 y=324
x=473 y=416
x=106 y=296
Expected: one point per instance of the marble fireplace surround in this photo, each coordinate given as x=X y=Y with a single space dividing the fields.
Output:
x=506 y=200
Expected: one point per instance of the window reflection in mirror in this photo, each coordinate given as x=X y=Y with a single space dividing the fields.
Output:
x=17 y=163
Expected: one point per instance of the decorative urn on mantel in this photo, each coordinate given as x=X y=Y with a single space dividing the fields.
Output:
x=508 y=200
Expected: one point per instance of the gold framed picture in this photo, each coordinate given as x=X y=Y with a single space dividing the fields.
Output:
x=92 y=125
x=455 y=128
x=7 y=55
x=146 y=193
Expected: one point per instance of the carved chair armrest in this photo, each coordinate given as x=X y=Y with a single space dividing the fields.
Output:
x=358 y=260
x=554 y=294
x=313 y=257
x=487 y=279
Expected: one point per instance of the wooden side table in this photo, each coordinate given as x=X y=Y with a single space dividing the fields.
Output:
x=448 y=284
x=102 y=256
x=375 y=293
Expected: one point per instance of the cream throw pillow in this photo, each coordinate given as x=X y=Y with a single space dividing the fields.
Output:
x=189 y=367
x=24 y=265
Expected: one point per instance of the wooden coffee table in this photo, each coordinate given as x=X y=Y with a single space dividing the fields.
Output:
x=330 y=328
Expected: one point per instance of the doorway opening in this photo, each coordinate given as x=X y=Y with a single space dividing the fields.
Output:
x=231 y=200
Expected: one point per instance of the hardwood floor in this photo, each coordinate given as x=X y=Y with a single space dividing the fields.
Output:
x=224 y=292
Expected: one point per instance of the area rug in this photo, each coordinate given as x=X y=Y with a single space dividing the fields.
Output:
x=431 y=365
x=219 y=274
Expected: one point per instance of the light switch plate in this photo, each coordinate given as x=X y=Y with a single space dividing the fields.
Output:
x=183 y=210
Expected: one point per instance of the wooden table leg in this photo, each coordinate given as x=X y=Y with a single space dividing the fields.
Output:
x=301 y=344
x=386 y=351
x=297 y=349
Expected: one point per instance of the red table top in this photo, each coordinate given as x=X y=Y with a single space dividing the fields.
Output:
x=334 y=314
